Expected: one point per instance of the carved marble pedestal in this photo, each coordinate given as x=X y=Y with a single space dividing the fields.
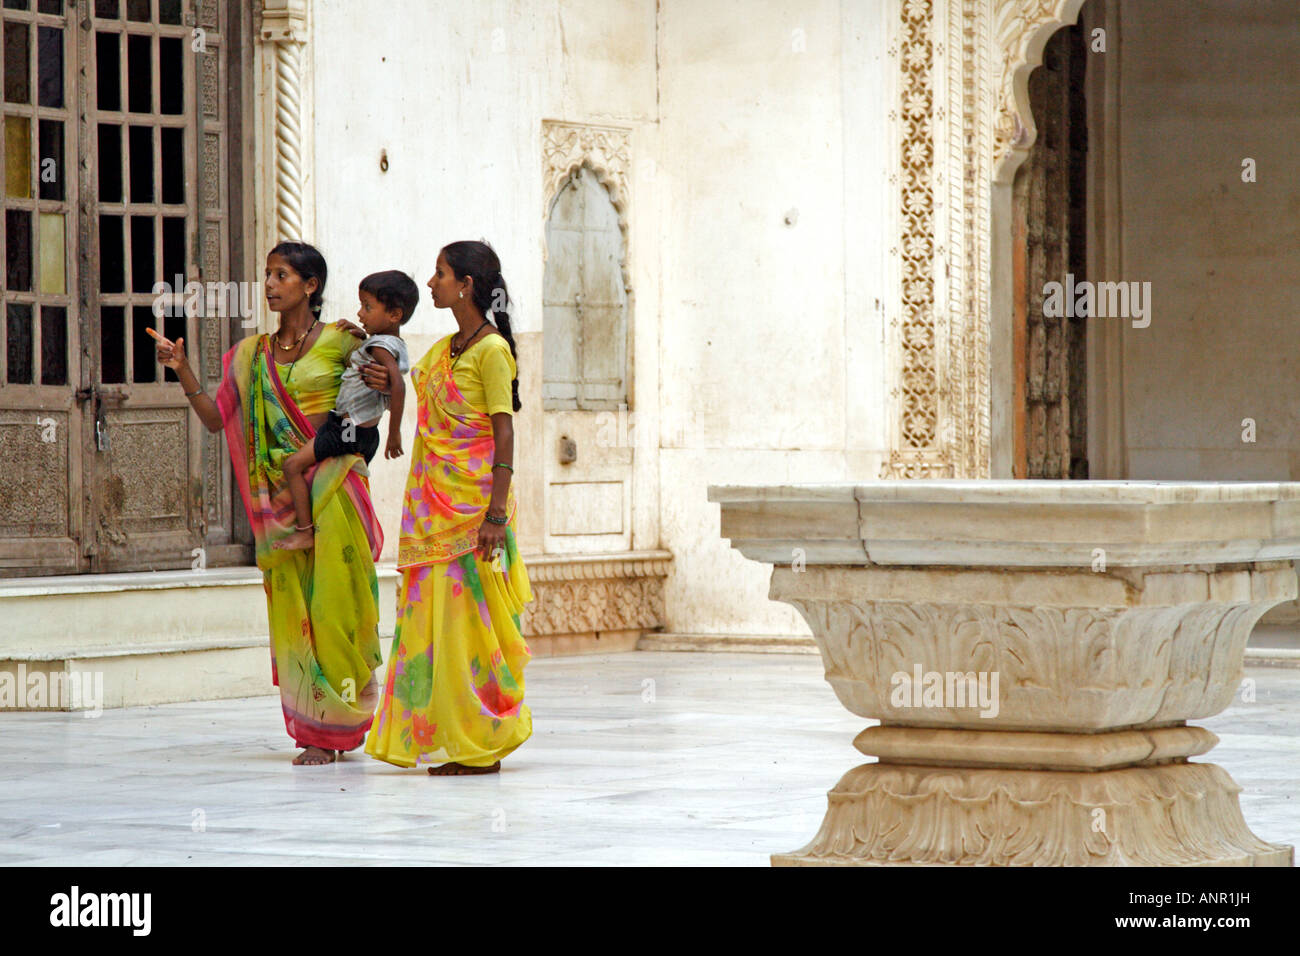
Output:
x=1033 y=651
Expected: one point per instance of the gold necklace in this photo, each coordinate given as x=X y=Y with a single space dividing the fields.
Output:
x=299 y=355
x=290 y=348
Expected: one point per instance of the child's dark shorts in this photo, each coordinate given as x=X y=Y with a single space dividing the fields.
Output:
x=330 y=444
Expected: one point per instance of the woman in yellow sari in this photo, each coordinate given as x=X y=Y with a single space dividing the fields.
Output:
x=455 y=686
x=323 y=603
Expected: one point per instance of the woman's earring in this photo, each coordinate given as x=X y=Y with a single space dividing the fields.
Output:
x=461 y=294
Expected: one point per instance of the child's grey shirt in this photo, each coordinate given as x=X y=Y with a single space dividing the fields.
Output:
x=356 y=400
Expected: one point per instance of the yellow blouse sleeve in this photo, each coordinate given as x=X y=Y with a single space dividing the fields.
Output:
x=497 y=371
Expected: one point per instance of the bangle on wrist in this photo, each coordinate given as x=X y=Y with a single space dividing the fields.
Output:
x=502 y=464
x=197 y=391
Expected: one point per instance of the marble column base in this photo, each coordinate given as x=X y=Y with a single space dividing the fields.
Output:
x=1033 y=651
x=1178 y=814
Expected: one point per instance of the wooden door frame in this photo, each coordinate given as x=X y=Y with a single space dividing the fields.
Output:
x=227 y=540
x=21 y=556
x=230 y=541
x=1107 y=444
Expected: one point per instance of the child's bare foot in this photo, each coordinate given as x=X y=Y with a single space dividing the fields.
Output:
x=314 y=756
x=297 y=541
x=459 y=769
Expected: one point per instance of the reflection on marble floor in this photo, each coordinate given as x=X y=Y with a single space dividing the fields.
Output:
x=648 y=758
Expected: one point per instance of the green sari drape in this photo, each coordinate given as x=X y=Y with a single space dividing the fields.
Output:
x=322 y=604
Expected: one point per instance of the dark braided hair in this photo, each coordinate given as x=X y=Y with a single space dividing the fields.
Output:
x=478 y=261
x=307 y=261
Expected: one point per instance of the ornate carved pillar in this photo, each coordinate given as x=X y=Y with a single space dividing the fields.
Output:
x=285 y=159
x=963 y=126
x=1033 y=652
x=940 y=390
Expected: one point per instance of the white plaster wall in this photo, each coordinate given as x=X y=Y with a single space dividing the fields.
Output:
x=772 y=338
x=757 y=346
x=455 y=92
x=1203 y=85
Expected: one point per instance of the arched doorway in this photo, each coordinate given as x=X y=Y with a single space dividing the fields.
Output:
x=1165 y=212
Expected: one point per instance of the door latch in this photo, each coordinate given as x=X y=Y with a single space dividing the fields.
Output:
x=102 y=397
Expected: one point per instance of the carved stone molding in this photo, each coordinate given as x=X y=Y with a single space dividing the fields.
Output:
x=1063 y=669
x=1021 y=31
x=939 y=395
x=1032 y=682
x=284 y=27
x=963 y=123
x=607 y=150
x=1086 y=724
x=1140 y=816
x=915 y=450
x=284 y=21
x=589 y=594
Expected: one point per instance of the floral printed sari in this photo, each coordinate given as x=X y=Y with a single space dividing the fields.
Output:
x=322 y=603
x=455 y=685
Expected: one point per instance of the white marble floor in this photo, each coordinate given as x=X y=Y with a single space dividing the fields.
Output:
x=640 y=758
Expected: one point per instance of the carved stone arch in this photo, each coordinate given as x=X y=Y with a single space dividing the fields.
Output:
x=1021 y=31
x=607 y=152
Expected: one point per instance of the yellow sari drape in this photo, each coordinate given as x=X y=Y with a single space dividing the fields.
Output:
x=455 y=685
x=322 y=604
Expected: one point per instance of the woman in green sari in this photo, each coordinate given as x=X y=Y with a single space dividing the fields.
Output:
x=323 y=603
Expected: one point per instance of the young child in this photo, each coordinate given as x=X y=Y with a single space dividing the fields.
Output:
x=387 y=301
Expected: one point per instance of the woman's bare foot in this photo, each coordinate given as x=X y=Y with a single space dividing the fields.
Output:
x=314 y=756
x=297 y=541
x=459 y=769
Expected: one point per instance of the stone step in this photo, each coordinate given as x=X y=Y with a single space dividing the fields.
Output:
x=1274 y=645
x=736 y=643
x=1272 y=657
x=85 y=642
x=1273 y=653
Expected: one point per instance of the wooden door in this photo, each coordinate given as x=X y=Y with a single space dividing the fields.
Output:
x=142 y=125
x=42 y=423
x=1049 y=244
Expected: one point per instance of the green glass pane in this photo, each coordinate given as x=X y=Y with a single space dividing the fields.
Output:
x=18 y=157
x=53 y=272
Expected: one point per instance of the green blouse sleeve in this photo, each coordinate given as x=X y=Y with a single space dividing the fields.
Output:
x=348 y=343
